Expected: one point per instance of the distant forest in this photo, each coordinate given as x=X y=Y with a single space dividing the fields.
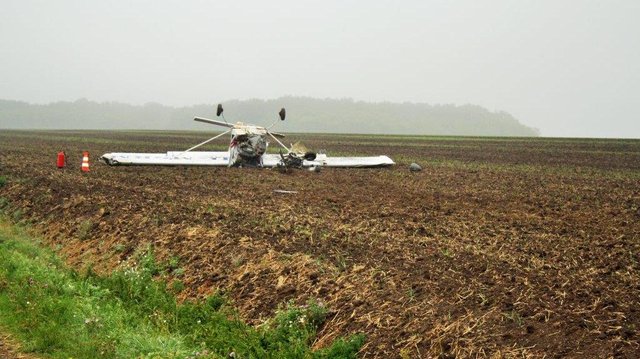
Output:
x=304 y=114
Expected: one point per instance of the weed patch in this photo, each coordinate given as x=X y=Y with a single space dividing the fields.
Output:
x=84 y=229
x=3 y=203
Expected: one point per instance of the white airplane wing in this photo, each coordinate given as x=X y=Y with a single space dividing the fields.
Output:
x=358 y=162
x=221 y=158
x=322 y=160
x=173 y=158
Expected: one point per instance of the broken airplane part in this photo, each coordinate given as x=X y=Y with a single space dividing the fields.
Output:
x=247 y=148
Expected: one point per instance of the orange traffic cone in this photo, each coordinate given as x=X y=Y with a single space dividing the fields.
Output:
x=85 y=161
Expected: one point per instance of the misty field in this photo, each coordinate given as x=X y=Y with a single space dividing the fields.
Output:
x=506 y=247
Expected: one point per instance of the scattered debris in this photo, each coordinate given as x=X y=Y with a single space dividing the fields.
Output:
x=282 y=191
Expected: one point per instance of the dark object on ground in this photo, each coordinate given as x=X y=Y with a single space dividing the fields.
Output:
x=414 y=167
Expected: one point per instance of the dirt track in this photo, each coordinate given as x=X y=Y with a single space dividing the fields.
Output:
x=512 y=248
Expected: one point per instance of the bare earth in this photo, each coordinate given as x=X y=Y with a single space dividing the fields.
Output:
x=505 y=247
x=9 y=349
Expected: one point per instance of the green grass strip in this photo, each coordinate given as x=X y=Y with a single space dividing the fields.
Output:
x=58 y=313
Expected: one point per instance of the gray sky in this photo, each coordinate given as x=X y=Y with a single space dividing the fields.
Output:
x=569 y=68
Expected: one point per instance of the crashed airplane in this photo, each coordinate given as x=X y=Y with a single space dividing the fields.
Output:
x=247 y=148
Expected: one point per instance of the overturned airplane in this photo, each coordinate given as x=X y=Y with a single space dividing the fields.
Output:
x=247 y=148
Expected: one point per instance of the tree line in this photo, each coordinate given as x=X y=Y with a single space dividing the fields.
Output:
x=304 y=114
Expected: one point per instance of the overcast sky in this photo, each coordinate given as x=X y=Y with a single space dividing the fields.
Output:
x=569 y=68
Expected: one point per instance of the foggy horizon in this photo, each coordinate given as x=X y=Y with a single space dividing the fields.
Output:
x=568 y=69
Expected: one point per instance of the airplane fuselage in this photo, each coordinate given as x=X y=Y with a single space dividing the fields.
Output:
x=247 y=145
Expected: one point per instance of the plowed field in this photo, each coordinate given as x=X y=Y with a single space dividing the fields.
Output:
x=505 y=247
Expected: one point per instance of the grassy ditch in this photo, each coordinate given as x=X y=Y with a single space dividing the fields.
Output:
x=55 y=311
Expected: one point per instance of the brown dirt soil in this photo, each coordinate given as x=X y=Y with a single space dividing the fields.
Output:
x=9 y=349
x=499 y=247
